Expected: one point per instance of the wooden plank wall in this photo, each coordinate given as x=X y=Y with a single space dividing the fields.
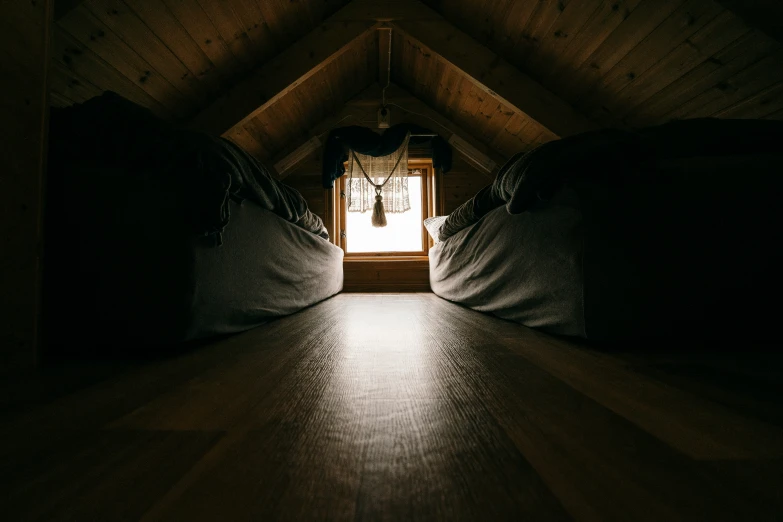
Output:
x=386 y=275
x=461 y=183
x=306 y=178
x=24 y=40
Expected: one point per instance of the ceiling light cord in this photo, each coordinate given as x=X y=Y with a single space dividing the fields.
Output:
x=388 y=71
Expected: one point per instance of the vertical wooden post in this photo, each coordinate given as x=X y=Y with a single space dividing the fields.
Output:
x=440 y=207
x=24 y=56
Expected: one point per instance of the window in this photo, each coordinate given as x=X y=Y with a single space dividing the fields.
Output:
x=404 y=234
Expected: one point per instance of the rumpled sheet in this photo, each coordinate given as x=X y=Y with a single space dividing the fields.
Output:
x=525 y=268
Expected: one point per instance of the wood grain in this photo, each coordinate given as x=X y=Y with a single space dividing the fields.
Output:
x=630 y=62
x=494 y=76
x=626 y=63
x=386 y=275
x=401 y=407
x=25 y=29
x=82 y=25
x=681 y=25
x=282 y=74
x=84 y=65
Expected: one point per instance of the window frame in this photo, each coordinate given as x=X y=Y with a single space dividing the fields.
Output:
x=429 y=203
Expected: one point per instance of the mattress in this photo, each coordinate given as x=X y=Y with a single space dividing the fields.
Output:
x=526 y=267
x=691 y=250
x=266 y=267
x=129 y=270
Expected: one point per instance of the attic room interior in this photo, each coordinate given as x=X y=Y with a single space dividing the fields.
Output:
x=391 y=260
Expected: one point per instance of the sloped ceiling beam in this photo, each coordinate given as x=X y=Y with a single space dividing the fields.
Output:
x=422 y=25
x=282 y=74
x=434 y=35
x=766 y=15
x=405 y=108
x=494 y=76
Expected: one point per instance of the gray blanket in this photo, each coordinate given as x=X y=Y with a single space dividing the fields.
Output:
x=525 y=267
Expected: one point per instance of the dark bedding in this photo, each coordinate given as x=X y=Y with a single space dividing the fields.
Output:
x=157 y=236
x=611 y=156
x=618 y=236
x=110 y=131
x=128 y=272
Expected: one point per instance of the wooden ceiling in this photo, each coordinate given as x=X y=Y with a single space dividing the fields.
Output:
x=634 y=62
x=173 y=56
x=456 y=96
x=505 y=74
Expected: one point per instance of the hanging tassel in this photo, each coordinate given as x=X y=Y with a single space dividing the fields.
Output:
x=378 y=214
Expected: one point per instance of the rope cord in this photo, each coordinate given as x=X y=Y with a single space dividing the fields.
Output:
x=379 y=188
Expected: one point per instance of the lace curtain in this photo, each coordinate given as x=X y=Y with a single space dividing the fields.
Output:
x=361 y=194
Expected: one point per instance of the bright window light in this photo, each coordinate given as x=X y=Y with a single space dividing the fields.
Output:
x=402 y=233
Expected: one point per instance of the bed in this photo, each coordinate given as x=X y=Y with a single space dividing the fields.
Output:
x=619 y=235
x=158 y=236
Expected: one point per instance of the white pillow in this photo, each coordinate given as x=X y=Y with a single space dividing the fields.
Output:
x=433 y=225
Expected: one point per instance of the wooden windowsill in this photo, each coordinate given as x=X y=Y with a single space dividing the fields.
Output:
x=389 y=259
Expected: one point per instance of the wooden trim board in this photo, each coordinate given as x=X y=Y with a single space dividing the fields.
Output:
x=25 y=29
x=378 y=274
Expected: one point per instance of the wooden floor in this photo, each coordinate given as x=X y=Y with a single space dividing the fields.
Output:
x=397 y=407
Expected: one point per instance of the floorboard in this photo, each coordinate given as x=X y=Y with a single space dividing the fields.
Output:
x=397 y=407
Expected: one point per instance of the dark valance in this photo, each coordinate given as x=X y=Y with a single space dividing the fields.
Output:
x=366 y=141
